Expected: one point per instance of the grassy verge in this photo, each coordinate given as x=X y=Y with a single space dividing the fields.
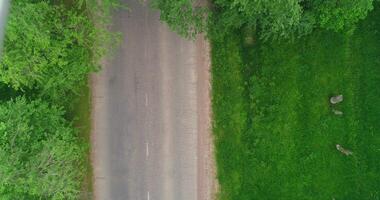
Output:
x=275 y=132
x=81 y=115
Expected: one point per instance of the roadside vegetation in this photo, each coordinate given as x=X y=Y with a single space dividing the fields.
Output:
x=275 y=66
x=288 y=19
x=275 y=130
x=50 y=48
x=186 y=17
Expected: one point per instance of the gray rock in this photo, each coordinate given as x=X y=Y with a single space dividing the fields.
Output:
x=336 y=99
x=343 y=150
x=337 y=112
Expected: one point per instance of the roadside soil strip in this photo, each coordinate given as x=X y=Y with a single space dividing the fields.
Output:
x=207 y=182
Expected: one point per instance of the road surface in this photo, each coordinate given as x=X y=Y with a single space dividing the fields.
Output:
x=150 y=138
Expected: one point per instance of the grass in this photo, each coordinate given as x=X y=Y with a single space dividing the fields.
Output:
x=275 y=133
x=80 y=114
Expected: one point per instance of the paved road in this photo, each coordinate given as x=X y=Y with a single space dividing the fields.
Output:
x=145 y=142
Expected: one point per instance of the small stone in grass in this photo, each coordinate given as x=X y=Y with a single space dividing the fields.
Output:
x=343 y=150
x=336 y=99
x=337 y=112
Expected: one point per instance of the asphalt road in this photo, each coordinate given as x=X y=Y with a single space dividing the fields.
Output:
x=145 y=140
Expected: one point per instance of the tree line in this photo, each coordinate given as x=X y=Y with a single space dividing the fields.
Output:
x=49 y=49
x=278 y=19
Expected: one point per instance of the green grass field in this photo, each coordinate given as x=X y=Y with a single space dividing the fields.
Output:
x=275 y=132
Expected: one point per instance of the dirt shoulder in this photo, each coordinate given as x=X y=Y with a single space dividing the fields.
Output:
x=207 y=182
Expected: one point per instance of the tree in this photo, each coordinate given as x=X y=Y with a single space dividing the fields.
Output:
x=40 y=156
x=272 y=19
x=339 y=15
x=182 y=16
x=291 y=18
x=50 y=48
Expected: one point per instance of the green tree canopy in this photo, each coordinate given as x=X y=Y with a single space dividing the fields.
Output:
x=288 y=18
x=182 y=16
x=49 y=48
x=339 y=14
x=40 y=157
x=273 y=19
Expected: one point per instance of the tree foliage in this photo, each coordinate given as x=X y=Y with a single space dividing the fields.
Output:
x=50 y=48
x=272 y=16
x=289 y=18
x=338 y=15
x=40 y=157
x=182 y=16
x=273 y=19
